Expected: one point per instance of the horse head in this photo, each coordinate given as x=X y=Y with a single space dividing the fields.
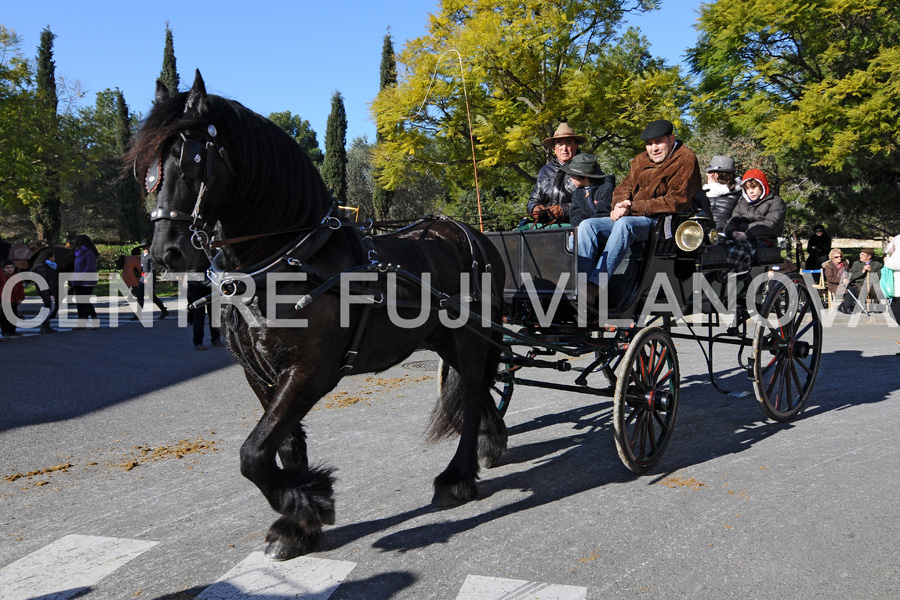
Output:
x=219 y=169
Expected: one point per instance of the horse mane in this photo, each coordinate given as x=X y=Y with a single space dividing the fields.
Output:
x=278 y=186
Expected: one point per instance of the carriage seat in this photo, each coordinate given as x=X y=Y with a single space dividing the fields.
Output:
x=768 y=252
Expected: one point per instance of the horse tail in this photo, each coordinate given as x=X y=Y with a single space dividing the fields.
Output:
x=447 y=415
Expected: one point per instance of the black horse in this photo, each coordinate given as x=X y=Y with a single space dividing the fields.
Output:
x=221 y=170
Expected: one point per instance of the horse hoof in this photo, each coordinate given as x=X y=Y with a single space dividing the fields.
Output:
x=486 y=462
x=446 y=497
x=279 y=551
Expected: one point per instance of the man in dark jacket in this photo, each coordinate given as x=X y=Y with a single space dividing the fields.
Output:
x=147 y=276
x=864 y=278
x=552 y=194
x=593 y=190
x=662 y=180
x=46 y=267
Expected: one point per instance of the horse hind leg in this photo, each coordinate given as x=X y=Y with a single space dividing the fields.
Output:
x=447 y=417
x=466 y=407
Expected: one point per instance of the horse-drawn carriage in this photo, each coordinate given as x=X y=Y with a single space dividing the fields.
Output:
x=678 y=277
x=237 y=194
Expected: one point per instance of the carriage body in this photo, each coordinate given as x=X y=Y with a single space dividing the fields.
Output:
x=660 y=284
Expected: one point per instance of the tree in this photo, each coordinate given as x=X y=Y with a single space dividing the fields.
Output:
x=526 y=69
x=359 y=178
x=169 y=74
x=382 y=198
x=301 y=131
x=334 y=167
x=45 y=209
x=816 y=82
x=19 y=123
x=133 y=224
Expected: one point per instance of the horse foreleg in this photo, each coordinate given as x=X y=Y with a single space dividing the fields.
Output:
x=303 y=496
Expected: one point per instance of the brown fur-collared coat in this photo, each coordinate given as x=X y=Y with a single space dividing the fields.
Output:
x=660 y=188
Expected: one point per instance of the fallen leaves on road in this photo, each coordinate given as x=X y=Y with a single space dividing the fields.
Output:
x=179 y=449
x=58 y=468
x=371 y=387
x=676 y=482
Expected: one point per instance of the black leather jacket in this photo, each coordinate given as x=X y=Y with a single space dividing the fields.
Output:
x=553 y=186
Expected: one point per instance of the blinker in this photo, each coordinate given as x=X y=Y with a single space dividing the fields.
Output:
x=154 y=176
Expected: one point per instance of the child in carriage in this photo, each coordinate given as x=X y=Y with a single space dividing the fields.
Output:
x=759 y=213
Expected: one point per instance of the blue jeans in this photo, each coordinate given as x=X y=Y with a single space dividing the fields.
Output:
x=602 y=242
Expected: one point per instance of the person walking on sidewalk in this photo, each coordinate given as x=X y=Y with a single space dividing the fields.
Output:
x=16 y=297
x=47 y=269
x=197 y=290
x=147 y=274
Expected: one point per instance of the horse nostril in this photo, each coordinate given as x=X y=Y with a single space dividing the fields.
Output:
x=171 y=257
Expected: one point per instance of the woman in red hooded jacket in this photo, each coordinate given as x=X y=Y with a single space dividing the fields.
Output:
x=758 y=213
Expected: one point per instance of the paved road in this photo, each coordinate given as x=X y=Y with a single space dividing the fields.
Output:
x=119 y=479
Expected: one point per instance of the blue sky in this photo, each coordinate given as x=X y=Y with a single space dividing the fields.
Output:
x=269 y=55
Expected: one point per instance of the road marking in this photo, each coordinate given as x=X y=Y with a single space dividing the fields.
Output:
x=494 y=588
x=258 y=577
x=67 y=567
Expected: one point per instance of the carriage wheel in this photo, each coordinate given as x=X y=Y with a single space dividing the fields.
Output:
x=501 y=388
x=646 y=399
x=786 y=357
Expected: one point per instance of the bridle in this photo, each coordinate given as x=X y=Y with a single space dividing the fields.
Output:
x=196 y=163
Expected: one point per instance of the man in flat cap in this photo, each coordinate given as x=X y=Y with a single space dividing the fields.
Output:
x=662 y=180
x=552 y=195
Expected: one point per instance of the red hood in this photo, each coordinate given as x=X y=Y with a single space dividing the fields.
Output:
x=760 y=177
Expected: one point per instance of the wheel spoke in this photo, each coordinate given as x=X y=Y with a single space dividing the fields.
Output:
x=638 y=383
x=665 y=378
x=796 y=376
x=806 y=367
x=775 y=373
x=659 y=363
x=763 y=370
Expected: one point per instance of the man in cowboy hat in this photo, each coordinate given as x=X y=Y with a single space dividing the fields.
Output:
x=553 y=189
x=593 y=189
x=864 y=279
x=662 y=180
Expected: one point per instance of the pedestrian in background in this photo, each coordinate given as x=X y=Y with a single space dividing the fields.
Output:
x=147 y=274
x=84 y=279
x=197 y=290
x=16 y=297
x=46 y=267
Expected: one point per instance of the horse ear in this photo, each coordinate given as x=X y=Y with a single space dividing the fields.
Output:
x=197 y=101
x=162 y=92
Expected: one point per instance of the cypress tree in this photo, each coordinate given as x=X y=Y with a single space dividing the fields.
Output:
x=382 y=199
x=334 y=168
x=45 y=211
x=169 y=73
x=129 y=191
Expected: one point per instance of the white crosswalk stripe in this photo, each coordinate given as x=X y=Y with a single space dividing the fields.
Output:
x=67 y=567
x=258 y=577
x=72 y=565
x=494 y=588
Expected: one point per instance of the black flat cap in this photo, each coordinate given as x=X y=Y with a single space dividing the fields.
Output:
x=656 y=129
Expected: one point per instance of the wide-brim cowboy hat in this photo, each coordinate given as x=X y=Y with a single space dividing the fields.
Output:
x=562 y=132
x=583 y=165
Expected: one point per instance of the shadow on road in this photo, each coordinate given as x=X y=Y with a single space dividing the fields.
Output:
x=56 y=377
